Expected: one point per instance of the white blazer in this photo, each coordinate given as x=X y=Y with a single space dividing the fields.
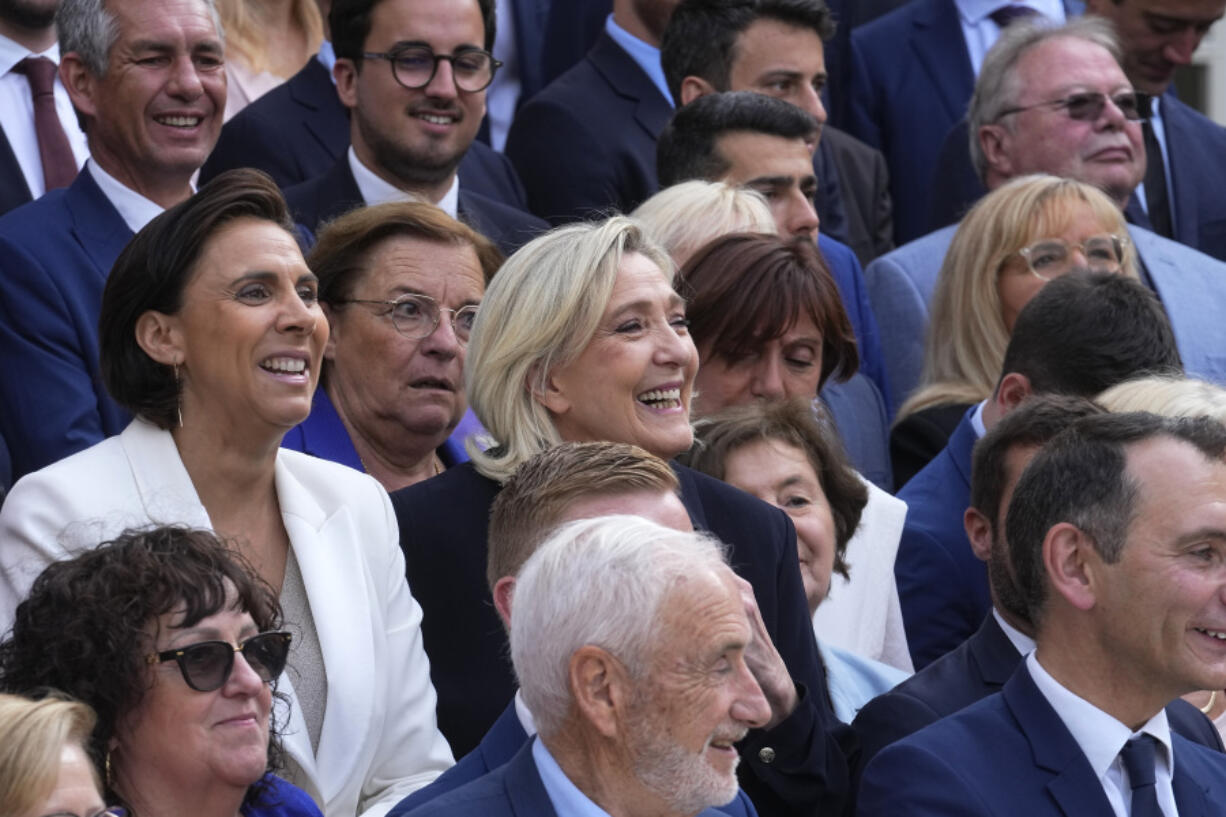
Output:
x=380 y=739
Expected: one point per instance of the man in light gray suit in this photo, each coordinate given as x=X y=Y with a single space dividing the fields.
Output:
x=1037 y=70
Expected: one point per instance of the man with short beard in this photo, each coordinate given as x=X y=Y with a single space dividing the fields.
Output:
x=413 y=74
x=629 y=640
x=27 y=40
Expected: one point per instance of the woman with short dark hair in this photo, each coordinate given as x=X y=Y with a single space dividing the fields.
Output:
x=212 y=335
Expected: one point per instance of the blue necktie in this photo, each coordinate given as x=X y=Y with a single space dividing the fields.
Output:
x=1138 y=757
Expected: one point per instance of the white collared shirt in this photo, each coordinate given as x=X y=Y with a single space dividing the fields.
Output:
x=980 y=32
x=1021 y=642
x=135 y=210
x=645 y=56
x=1101 y=737
x=524 y=714
x=375 y=190
x=977 y=420
x=565 y=796
x=17 y=114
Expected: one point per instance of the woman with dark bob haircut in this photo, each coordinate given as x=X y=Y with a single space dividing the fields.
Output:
x=148 y=630
x=767 y=319
x=401 y=284
x=211 y=334
x=779 y=452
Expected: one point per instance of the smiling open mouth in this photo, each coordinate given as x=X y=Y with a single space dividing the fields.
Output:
x=1220 y=635
x=179 y=121
x=661 y=399
x=284 y=365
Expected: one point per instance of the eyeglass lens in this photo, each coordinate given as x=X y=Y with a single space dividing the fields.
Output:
x=207 y=666
x=1089 y=105
x=416 y=316
x=415 y=66
x=1055 y=257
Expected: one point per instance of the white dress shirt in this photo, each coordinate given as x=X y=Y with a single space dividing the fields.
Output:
x=375 y=190
x=1101 y=737
x=135 y=210
x=17 y=114
x=980 y=32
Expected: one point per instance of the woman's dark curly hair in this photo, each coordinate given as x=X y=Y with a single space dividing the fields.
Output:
x=84 y=628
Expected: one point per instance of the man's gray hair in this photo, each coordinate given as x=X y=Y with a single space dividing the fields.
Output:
x=597 y=582
x=999 y=87
x=89 y=29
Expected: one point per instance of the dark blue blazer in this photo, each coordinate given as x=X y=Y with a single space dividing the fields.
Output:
x=14 y=191
x=1196 y=145
x=586 y=144
x=6 y=470
x=336 y=192
x=942 y=585
x=505 y=738
x=974 y=670
x=299 y=129
x=55 y=256
x=444 y=523
x=512 y=790
x=859 y=414
x=1010 y=754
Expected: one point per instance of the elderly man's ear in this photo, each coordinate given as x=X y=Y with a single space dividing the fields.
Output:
x=601 y=688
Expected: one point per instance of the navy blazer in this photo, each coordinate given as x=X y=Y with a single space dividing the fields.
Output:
x=505 y=738
x=1196 y=145
x=14 y=191
x=299 y=129
x=336 y=192
x=586 y=144
x=974 y=670
x=55 y=256
x=942 y=586
x=1010 y=754
x=444 y=524
x=512 y=790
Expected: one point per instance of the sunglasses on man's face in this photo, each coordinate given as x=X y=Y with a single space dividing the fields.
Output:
x=207 y=666
x=1088 y=106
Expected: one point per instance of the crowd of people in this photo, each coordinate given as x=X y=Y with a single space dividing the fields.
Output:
x=648 y=408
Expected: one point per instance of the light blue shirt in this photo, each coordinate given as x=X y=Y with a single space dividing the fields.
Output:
x=645 y=56
x=853 y=680
x=1155 y=122
x=566 y=798
x=980 y=32
x=327 y=57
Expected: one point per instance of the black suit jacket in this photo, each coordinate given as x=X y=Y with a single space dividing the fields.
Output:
x=335 y=192
x=299 y=129
x=587 y=143
x=977 y=668
x=14 y=191
x=444 y=523
x=864 y=191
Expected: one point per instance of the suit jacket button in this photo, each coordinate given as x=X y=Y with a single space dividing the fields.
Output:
x=766 y=754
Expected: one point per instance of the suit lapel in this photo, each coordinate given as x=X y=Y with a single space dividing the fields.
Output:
x=525 y=791
x=941 y=49
x=96 y=224
x=993 y=653
x=325 y=556
x=14 y=191
x=1191 y=797
x=628 y=80
x=167 y=494
x=312 y=89
x=1073 y=785
x=1183 y=196
x=505 y=738
x=962 y=445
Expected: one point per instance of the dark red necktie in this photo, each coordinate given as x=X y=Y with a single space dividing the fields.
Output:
x=59 y=165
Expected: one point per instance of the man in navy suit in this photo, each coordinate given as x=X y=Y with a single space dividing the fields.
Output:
x=1184 y=152
x=981 y=664
x=567 y=482
x=152 y=104
x=911 y=76
x=1080 y=335
x=1027 y=66
x=1116 y=530
x=756 y=141
x=299 y=129
x=413 y=75
x=637 y=706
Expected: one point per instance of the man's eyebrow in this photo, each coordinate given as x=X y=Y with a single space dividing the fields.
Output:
x=770 y=181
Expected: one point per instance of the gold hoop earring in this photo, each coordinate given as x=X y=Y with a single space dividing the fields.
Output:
x=178 y=405
x=107 y=765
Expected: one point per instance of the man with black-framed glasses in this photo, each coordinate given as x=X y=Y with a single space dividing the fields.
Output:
x=412 y=74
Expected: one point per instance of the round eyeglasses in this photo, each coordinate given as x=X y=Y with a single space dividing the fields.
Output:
x=207 y=666
x=414 y=66
x=417 y=316
x=1052 y=257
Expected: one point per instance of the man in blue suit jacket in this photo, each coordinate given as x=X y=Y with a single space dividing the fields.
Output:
x=56 y=252
x=911 y=76
x=407 y=141
x=1078 y=336
x=900 y=283
x=1081 y=727
x=980 y=665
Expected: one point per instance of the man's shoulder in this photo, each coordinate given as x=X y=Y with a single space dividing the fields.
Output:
x=33 y=223
x=920 y=260
x=896 y=24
